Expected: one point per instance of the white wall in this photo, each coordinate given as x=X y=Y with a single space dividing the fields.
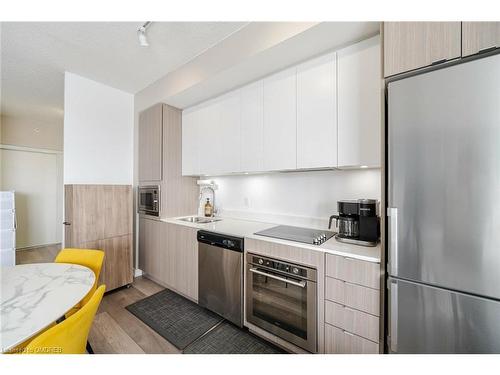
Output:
x=34 y=133
x=98 y=133
x=311 y=194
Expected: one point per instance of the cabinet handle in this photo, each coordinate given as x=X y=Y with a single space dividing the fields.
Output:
x=487 y=49
x=438 y=62
x=348 y=333
x=349 y=309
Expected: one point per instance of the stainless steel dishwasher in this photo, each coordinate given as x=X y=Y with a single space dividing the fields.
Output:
x=220 y=275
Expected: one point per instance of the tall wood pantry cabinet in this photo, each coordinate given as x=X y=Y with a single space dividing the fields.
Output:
x=100 y=217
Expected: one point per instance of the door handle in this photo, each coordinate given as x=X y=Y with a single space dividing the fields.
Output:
x=301 y=284
x=393 y=311
x=66 y=223
x=392 y=214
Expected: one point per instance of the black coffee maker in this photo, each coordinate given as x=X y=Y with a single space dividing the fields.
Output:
x=357 y=222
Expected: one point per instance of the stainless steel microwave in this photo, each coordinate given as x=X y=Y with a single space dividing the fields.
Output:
x=148 y=200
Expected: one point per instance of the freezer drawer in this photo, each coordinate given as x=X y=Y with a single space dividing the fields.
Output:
x=425 y=319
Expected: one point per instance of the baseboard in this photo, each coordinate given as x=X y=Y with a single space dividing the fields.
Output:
x=37 y=246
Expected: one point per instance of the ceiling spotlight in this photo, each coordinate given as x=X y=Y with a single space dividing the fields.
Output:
x=141 y=34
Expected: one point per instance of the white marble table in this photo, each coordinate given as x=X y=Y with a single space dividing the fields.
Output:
x=32 y=296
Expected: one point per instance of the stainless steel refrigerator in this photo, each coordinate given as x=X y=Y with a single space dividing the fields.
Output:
x=444 y=210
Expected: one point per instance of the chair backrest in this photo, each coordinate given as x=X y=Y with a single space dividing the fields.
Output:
x=70 y=336
x=92 y=259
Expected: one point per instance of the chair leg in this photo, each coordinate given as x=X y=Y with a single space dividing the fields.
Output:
x=89 y=348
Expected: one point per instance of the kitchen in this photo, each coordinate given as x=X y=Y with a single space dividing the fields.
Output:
x=288 y=187
x=341 y=147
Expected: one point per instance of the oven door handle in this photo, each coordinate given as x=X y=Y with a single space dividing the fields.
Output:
x=301 y=284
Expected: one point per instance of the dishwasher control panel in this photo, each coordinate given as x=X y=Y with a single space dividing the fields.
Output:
x=220 y=240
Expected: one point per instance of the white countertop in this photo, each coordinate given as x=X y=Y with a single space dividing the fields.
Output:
x=247 y=229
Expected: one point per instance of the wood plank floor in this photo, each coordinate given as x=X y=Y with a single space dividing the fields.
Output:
x=115 y=330
x=40 y=254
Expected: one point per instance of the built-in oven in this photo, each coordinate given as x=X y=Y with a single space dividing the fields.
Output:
x=281 y=298
x=148 y=200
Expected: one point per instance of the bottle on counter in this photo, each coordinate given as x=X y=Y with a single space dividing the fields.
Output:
x=209 y=209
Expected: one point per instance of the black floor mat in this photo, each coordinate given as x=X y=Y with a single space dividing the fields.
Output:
x=177 y=319
x=229 y=339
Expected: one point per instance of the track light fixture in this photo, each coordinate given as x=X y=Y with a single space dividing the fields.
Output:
x=141 y=34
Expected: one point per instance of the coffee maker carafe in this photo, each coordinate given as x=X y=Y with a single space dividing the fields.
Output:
x=357 y=222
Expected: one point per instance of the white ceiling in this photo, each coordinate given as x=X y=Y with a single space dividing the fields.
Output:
x=34 y=57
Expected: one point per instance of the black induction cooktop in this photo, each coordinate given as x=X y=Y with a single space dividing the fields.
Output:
x=297 y=234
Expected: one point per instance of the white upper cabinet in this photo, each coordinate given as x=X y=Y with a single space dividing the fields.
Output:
x=317 y=113
x=323 y=113
x=190 y=158
x=280 y=121
x=209 y=128
x=227 y=140
x=359 y=104
x=252 y=127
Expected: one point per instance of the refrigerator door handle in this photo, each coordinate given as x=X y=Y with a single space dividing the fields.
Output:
x=393 y=325
x=392 y=213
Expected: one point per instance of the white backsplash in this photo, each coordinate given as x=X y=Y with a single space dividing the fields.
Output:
x=294 y=198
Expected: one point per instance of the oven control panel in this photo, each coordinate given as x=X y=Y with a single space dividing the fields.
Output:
x=280 y=266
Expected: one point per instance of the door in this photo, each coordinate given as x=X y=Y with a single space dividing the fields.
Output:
x=252 y=127
x=150 y=143
x=36 y=179
x=226 y=142
x=280 y=121
x=209 y=131
x=479 y=37
x=444 y=158
x=413 y=45
x=359 y=104
x=425 y=319
x=317 y=113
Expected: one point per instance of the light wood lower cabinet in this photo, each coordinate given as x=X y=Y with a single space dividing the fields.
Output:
x=353 y=270
x=169 y=255
x=352 y=305
x=181 y=264
x=342 y=342
x=351 y=320
x=117 y=269
x=356 y=296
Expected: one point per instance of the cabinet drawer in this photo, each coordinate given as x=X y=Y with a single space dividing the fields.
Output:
x=352 y=295
x=351 y=320
x=338 y=341
x=353 y=270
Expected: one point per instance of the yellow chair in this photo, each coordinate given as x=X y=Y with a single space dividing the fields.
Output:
x=69 y=336
x=92 y=259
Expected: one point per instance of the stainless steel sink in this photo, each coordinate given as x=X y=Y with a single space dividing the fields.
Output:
x=199 y=219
